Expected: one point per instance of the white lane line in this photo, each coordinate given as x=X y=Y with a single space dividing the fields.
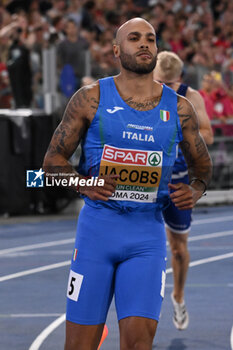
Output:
x=211 y=259
x=210 y=235
x=28 y=315
x=212 y=220
x=32 y=271
x=232 y=338
x=46 y=252
x=71 y=240
x=206 y=260
x=47 y=331
x=36 y=246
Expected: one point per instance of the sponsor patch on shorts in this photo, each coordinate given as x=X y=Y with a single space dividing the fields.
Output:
x=74 y=285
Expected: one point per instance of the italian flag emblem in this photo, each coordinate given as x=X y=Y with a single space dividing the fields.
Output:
x=75 y=254
x=164 y=115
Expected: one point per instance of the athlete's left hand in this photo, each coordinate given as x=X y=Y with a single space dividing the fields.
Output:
x=184 y=196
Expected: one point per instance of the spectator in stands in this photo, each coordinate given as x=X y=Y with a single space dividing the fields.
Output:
x=228 y=64
x=18 y=64
x=205 y=91
x=230 y=94
x=158 y=14
x=106 y=37
x=170 y=21
x=221 y=99
x=199 y=31
x=105 y=64
x=5 y=90
x=164 y=40
x=176 y=42
x=4 y=46
x=56 y=30
x=74 y=10
x=204 y=55
x=58 y=8
x=88 y=15
x=71 y=51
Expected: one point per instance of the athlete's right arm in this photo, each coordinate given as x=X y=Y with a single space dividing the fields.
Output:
x=197 y=158
x=204 y=122
x=78 y=115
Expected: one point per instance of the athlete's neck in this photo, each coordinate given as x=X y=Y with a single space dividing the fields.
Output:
x=141 y=94
x=141 y=86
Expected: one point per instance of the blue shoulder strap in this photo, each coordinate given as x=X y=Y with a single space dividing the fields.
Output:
x=182 y=90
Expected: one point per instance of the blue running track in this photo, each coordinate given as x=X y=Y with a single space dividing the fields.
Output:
x=34 y=265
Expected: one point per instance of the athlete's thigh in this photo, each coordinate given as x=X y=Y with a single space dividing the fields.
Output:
x=140 y=277
x=90 y=284
x=82 y=337
x=178 y=241
x=137 y=330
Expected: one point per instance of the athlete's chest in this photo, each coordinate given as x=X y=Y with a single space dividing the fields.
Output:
x=118 y=125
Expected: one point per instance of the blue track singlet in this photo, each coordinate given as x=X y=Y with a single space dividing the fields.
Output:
x=140 y=146
x=120 y=247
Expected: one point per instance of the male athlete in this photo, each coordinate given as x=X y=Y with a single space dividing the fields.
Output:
x=168 y=70
x=129 y=126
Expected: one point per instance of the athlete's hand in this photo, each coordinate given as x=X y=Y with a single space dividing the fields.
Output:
x=101 y=192
x=184 y=196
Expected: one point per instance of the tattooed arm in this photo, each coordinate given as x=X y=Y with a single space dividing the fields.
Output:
x=204 y=122
x=78 y=115
x=196 y=156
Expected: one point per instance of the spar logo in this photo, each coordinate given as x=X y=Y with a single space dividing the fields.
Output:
x=124 y=156
x=154 y=159
x=131 y=156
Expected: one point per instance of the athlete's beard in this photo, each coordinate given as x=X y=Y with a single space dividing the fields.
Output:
x=129 y=63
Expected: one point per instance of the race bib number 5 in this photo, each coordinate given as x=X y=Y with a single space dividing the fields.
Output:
x=139 y=172
x=74 y=285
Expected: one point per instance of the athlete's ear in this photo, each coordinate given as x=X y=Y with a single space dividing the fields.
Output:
x=116 y=50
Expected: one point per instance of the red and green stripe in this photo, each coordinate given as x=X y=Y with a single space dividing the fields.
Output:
x=164 y=115
x=75 y=254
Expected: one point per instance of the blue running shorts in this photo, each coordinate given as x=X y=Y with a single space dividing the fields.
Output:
x=121 y=253
x=179 y=221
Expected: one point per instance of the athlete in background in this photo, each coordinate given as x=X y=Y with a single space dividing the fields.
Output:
x=168 y=70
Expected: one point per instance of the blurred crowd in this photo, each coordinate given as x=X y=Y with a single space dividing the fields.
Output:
x=82 y=32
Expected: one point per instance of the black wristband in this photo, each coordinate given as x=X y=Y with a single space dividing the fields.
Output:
x=202 y=181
